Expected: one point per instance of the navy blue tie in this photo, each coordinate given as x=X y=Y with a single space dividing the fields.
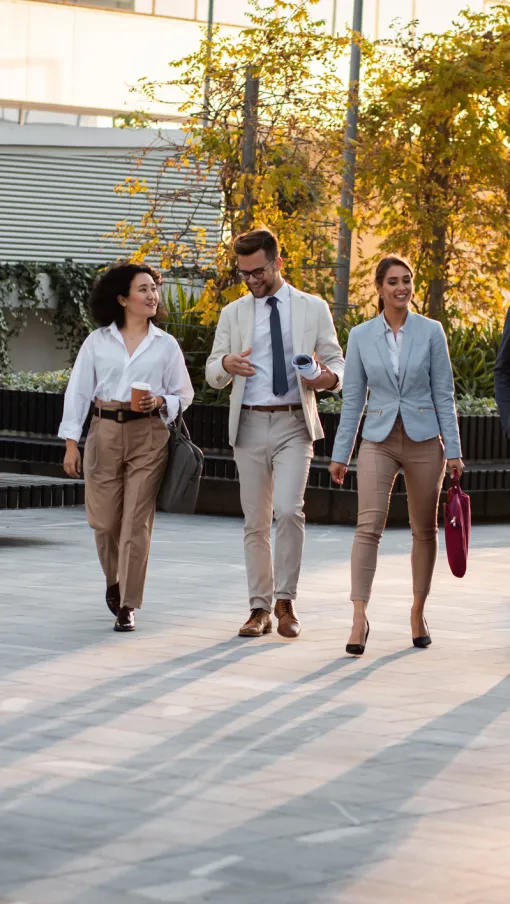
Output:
x=280 y=382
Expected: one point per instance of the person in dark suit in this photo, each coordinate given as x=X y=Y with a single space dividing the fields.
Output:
x=502 y=377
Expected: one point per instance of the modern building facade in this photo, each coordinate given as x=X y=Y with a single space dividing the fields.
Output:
x=74 y=62
x=71 y=64
x=57 y=202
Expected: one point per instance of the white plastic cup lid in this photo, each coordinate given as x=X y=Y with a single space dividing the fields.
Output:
x=146 y=386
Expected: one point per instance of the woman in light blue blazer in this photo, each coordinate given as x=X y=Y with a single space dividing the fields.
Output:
x=401 y=360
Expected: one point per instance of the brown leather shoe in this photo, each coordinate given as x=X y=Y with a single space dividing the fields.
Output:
x=113 y=598
x=288 y=622
x=125 y=620
x=258 y=623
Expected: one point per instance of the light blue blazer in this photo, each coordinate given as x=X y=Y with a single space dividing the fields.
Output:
x=424 y=396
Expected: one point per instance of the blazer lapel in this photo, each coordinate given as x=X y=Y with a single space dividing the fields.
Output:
x=382 y=346
x=298 y=317
x=407 y=344
x=245 y=320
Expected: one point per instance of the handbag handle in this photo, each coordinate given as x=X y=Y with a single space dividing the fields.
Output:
x=180 y=426
x=455 y=478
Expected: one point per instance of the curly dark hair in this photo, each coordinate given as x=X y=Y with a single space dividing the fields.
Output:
x=103 y=301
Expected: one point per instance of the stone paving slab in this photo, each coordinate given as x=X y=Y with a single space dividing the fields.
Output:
x=184 y=764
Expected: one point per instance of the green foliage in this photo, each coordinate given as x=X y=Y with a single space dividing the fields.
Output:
x=467 y=404
x=433 y=163
x=20 y=292
x=329 y=405
x=50 y=381
x=183 y=320
x=23 y=290
x=293 y=184
x=71 y=283
x=473 y=352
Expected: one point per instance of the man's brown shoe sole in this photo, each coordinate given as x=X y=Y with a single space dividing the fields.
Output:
x=250 y=633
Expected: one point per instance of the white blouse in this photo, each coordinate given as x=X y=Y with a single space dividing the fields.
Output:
x=104 y=370
x=394 y=346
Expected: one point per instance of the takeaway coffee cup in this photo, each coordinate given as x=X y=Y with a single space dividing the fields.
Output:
x=137 y=391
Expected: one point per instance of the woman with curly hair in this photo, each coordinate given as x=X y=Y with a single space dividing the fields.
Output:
x=126 y=451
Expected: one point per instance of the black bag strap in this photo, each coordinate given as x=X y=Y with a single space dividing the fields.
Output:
x=180 y=425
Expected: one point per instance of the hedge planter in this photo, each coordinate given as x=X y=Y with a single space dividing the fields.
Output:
x=40 y=413
x=29 y=423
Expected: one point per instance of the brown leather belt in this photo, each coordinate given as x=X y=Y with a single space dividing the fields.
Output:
x=272 y=407
x=122 y=415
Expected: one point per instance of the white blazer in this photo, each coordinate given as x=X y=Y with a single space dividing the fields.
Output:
x=313 y=333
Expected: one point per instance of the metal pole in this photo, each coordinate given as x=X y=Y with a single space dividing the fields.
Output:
x=249 y=149
x=343 y=263
x=207 y=84
x=333 y=24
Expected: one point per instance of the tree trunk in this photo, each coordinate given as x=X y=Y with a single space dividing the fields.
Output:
x=440 y=183
x=437 y=285
x=249 y=150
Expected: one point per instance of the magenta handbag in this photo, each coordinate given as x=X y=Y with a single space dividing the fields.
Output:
x=457 y=527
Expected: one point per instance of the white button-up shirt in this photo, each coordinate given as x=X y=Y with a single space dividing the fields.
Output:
x=104 y=370
x=259 y=389
x=394 y=346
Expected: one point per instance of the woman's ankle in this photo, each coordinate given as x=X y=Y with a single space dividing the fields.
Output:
x=359 y=610
x=418 y=606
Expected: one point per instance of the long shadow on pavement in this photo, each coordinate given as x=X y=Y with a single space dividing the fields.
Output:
x=164 y=769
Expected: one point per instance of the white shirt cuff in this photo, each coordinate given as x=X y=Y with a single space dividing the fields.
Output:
x=172 y=408
x=70 y=431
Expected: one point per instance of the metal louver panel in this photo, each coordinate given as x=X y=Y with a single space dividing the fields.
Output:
x=58 y=203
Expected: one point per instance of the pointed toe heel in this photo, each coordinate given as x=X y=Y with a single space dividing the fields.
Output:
x=357 y=649
x=421 y=642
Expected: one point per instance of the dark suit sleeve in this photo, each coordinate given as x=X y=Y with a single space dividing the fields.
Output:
x=502 y=377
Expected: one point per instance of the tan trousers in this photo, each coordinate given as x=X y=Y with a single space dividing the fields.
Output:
x=378 y=465
x=273 y=452
x=123 y=466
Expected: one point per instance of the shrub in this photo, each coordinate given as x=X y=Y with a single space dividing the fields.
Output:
x=467 y=404
x=50 y=381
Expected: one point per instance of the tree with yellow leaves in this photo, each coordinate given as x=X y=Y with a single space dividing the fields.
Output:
x=273 y=156
x=433 y=162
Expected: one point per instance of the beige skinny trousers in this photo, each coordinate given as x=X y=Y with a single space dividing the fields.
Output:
x=378 y=465
x=273 y=454
x=123 y=466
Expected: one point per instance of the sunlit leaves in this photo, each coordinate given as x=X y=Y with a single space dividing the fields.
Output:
x=433 y=169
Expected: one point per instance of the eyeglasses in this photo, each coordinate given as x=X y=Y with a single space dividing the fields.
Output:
x=256 y=274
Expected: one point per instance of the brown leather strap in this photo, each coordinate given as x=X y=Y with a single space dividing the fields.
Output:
x=272 y=407
x=122 y=415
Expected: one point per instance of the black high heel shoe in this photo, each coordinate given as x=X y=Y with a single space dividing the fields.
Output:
x=357 y=649
x=422 y=642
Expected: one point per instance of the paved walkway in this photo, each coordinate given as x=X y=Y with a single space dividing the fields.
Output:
x=182 y=764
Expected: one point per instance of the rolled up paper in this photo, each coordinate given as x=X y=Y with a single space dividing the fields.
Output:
x=307 y=367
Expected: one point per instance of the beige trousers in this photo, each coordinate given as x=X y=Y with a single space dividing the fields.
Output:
x=123 y=466
x=273 y=452
x=378 y=465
